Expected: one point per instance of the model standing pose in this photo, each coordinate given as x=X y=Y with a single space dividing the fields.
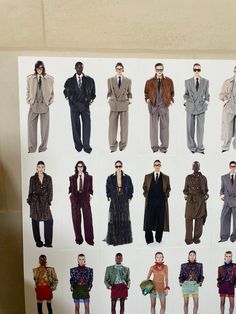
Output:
x=160 y=281
x=190 y=278
x=226 y=282
x=117 y=279
x=39 y=96
x=39 y=199
x=119 y=190
x=81 y=280
x=81 y=191
x=45 y=282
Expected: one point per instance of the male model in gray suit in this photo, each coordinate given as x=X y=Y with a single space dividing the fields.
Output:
x=196 y=96
x=119 y=97
x=228 y=195
x=39 y=96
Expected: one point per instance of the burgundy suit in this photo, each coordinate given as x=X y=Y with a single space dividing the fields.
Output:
x=81 y=200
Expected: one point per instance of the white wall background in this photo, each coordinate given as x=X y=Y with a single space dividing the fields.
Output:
x=61 y=157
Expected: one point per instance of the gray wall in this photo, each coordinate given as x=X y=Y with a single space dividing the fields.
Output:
x=154 y=28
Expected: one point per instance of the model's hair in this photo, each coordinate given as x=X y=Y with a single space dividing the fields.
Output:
x=159 y=64
x=157 y=160
x=78 y=63
x=118 y=254
x=232 y=162
x=119 y=162
x=228 y=252
x=40 y=163
x=37 y=65
x=119 y=64
x=196 y=64
x=43 y=256
x=81 y=255
x=192 y=251
x=159 y=253
x=196 y=162
x=84 y=167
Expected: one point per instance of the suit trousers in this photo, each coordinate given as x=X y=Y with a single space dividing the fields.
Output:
x=32 y=130
x=225 y=223
x=195 y=236
x=83 y=205
x=48 y=233
x=113 y=127
x=81 y=112
x=230 y=130
x=155 y=118
x=155 y=220
x=191 y=120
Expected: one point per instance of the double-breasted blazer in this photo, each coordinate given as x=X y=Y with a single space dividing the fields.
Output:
x=87 y=188
x=166 y=189
x=47 y=88
x=228 y=190
x=119 y=98
x=196 y=100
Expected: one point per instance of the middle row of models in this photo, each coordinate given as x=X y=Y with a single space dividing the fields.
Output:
x=79 y=90
x=119 y=191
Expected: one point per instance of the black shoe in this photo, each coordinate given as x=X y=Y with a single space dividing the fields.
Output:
x=233 y=240
x=47 y=245
x=121 y=149
x=150 y=242
x=189 y=242
x=223 y=150
x=79 y=148
x=39 y=244
x=112 y=151
x=88 y=150
x=196 y=241
x=192 y=152
x=202 y=153
x=222 y=240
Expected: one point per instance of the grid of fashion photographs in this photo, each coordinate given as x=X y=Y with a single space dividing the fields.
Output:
x=128 y=184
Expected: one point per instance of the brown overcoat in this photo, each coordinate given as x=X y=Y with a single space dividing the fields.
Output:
x=166 y=190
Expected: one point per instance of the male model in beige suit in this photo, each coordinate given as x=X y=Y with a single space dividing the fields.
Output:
x=39 y=96
x=119 y=97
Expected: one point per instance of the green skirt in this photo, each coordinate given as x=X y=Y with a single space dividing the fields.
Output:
x=80 y=292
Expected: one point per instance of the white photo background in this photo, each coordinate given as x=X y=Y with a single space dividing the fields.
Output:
x=61 y=157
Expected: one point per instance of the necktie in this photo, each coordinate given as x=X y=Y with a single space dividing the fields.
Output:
x=159 y=85
x=156 y=177
x=232 y=179
x=119 y=82
x=197 y=84
x=80 y=184
x=80 y=82
x=40 y=82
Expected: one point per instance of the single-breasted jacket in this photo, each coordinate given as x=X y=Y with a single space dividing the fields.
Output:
x=87 y=188
x=167 y=90
x=111 y=274
x=166 y=190
x=119 y=98
x=47 y=88
x=196 y=101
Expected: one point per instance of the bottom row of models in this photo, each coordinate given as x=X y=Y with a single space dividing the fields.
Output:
x=117 y=279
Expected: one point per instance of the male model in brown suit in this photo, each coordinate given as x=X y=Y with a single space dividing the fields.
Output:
x=159 y=94
x=156 y=190
x=195 y=193
x=119 y=97
x=39 y=96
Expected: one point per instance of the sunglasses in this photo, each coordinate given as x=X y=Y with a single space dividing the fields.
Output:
x=118 y=166
x=159 y=70
x=197 y=70
x=157 y=165
x=80 y=166
x=119 y=69
x=232 y=166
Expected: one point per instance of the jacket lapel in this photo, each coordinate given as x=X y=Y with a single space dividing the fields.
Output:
x=149 y=180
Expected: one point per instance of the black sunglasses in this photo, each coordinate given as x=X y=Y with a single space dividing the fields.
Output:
x=118 y=166
x=197 y=70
